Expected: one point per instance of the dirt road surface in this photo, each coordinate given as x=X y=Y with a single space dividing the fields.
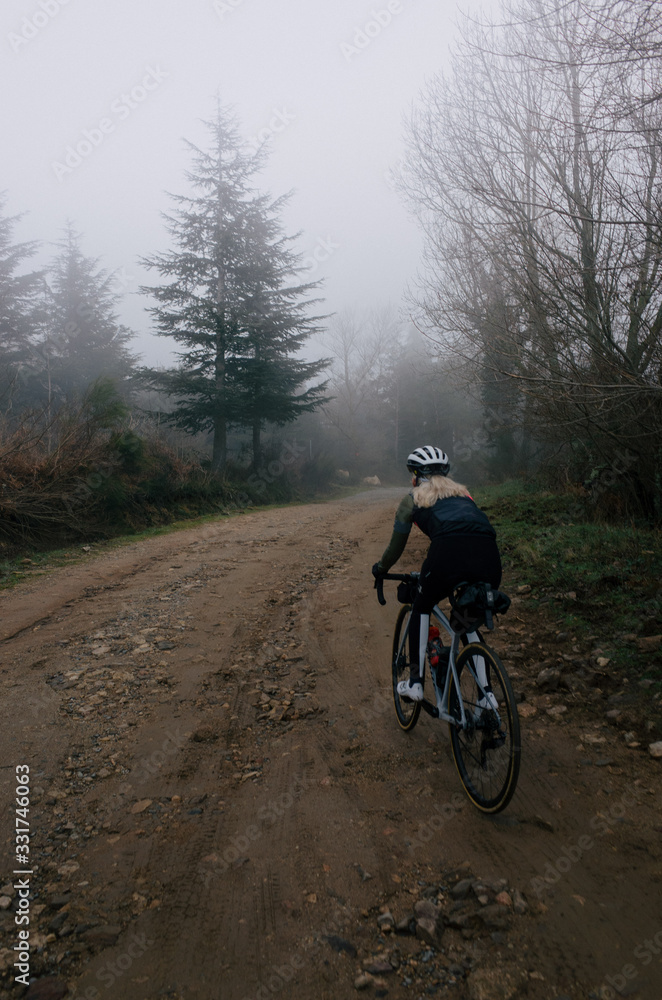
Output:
x=223 y=806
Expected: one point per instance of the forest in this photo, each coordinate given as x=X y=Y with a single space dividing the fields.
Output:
x=530 y=346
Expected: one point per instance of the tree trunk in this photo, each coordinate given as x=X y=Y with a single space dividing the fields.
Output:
x=220 y=446
x=257 y=449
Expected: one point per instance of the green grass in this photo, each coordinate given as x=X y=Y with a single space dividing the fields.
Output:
x=603 y=580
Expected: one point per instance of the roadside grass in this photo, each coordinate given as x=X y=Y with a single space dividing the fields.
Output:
x=36 y=561
x=602 y=580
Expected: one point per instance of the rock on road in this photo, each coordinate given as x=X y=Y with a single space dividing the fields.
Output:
x=224 y=807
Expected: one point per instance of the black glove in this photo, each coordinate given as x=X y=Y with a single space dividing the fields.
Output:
x=376 y=571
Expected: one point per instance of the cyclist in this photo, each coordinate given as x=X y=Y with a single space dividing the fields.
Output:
x=462 y=548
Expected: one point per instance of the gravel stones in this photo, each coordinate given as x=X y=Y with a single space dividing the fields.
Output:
x=462 y=888
x=340 y=944
x=520 y=904
x=438 y=942
x=429 y=926
x=407 y=925
x=59 y=900
x=103 y=936
x=380 y=965
x=548 y=678
x=494 y=916
x=49 y=988
x=649 y=643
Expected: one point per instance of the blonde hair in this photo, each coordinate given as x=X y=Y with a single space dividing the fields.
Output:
x=437 y=488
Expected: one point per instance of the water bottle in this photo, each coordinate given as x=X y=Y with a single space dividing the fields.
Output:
x=434 y=647
x=438 y=656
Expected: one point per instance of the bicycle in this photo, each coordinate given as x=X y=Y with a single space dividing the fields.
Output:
x=473 y=693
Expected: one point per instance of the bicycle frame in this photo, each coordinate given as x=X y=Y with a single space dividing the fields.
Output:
x=483 y=725
x=440 y=710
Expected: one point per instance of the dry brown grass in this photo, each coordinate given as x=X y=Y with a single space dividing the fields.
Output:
x=43 y=465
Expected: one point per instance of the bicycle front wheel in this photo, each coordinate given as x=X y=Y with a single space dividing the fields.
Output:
x=487 y=748
x=406 y=710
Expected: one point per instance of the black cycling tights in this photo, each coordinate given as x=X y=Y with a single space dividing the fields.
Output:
x=450 y=561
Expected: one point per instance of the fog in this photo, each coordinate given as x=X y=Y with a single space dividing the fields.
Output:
x=98 y=98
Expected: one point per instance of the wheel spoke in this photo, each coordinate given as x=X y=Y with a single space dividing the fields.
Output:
x=406 y=710
x=487 y=751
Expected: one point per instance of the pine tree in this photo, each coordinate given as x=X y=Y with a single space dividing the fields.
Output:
x=20 y=315
x=84 y=339
x=270 y=377
x=227 y=299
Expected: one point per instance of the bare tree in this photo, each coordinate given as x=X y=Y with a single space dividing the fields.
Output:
x=392 y=394
x=360 y=348
x=537 y=165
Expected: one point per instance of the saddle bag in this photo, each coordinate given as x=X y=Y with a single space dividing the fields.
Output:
x=474 y=604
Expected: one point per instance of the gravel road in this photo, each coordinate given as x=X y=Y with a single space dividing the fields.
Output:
x=223 y=807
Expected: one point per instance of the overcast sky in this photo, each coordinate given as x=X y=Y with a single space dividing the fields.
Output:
x=125 y=80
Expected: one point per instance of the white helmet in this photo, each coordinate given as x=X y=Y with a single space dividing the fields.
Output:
x=428 y=461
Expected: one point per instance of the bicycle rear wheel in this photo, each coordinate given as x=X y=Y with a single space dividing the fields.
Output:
x=406 y=710
x=487 y=750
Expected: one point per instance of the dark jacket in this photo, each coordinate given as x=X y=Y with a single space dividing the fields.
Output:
x=449 y=516
x=452 y=516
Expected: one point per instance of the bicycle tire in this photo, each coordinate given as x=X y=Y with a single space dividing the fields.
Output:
x=407 y=711
x=487 y=752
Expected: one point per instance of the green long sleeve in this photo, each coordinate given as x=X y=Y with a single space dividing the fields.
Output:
x=393 y=551
x=401 y=529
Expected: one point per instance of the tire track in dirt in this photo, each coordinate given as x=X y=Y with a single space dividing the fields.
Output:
x=284 y=812
x=548 y=816
x=181 y=900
